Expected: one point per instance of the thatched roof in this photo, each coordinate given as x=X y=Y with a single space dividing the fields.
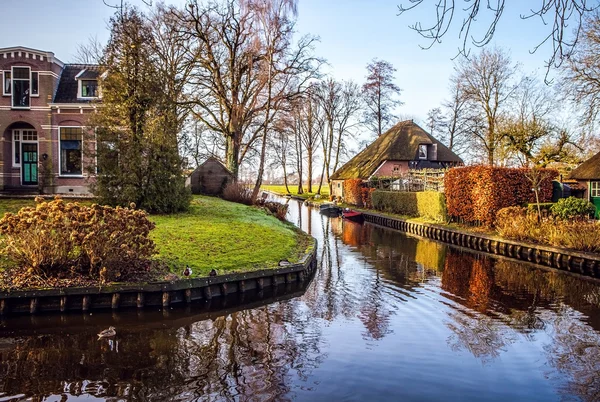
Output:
x=588 y=170
x=399 y=143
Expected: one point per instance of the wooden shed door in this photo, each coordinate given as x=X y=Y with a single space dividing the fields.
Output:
x=595 y=196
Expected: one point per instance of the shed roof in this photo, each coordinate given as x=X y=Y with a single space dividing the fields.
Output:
x=399 y=143
x=588 y=170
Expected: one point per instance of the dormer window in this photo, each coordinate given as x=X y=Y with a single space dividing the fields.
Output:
x=89 y=88
x=87 y=84
x=423 y=151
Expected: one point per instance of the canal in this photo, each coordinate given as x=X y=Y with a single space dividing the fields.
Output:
x=387 y=317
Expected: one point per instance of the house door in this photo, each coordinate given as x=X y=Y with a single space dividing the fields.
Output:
x=595 y=196
x=29 y=164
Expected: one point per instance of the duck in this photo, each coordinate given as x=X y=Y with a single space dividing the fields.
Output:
x=107 y=333
x=284 y=263
x=187 y=271
x=213 y=272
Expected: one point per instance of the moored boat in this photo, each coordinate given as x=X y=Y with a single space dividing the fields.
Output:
x=352 y=215
x=330 y=209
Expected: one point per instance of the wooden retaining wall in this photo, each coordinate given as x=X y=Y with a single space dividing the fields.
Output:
x=154 y=293
x=572 y=261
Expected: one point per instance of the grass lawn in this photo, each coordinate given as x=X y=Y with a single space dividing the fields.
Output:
x=217 y=234
x=280 y=189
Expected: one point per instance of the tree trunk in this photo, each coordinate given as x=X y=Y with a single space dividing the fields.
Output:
x=309 y=152
x=232 y=153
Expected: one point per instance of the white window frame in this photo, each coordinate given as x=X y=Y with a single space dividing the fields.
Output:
x=4 y=93
x=14 y=151
x=422 y=146
x=12 y=88
x=594 y=189
x=31 y=95
x=60 y=174
x=80 y=90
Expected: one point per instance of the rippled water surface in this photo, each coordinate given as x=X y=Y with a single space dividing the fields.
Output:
x=387 y=317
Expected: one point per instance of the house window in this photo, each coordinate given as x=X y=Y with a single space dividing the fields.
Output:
x=6 y=83
x=423 y=151
x=35 y=90
x=595 y=189
x=70 y=151
x=89 y=88
x=21 y=86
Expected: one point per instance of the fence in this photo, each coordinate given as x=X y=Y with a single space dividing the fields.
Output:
x=413 y=180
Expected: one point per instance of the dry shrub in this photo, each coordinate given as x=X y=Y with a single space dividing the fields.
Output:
x=353 y=192
x=238 y=192
x=68 y=240
x=518 y=224
x=278 y=209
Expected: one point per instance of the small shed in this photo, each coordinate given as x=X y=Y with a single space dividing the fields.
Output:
x=588 y=176
x=210 y=178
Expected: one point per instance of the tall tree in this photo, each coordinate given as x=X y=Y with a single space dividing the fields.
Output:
x=310 y=119
x=488 y=86
x=435 y=121
x=381 y=95
x=137 y=125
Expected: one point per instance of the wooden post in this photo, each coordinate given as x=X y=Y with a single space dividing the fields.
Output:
x=3 y=307
x=223 y=289
x=207 y=293
x=242 y=286
x=166 y=299
x=116 y=299
x=63 y=304
x=140 y=300
x=85 y=304
x=33 y=305
x=260 y=284
x=188 y=296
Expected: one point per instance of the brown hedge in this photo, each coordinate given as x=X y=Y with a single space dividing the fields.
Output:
x=353 y=192
x=477 y=193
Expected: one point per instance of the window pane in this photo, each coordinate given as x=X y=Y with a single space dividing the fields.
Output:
x=17 y=152
x=21 y=93
x=7 y=82
x=34 y=83
x=21 y=73
x=88 y=88
x=70 y=150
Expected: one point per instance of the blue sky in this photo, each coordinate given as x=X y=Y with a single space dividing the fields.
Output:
x=352 y=33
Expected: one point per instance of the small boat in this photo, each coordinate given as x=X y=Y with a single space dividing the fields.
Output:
x=330 y=209
x=352 y=215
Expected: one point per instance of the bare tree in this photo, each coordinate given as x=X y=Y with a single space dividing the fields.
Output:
x=488 y=86
x=435 y=121
x=310 y=126
x=564 y=15
x=380 y=94
x=457 y=117
x=90 y=52
x=581 y=72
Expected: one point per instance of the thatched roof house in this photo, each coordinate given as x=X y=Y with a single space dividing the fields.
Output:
x=588 y=176
x=404 y=146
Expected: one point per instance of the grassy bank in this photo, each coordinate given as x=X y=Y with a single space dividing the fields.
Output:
x=280 y=189
x=215 y=234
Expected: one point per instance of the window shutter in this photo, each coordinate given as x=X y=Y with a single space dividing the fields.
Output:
x=433 y=152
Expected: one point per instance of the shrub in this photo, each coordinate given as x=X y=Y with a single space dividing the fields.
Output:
x=238 y=192
x=573 y=208
x=57 y=239
x=517 y=223
x=578 y=235
x=278 y=209
x=427 y=204
x=366 y=193
x=353 y=192
x=477 y=193
x=544 y=207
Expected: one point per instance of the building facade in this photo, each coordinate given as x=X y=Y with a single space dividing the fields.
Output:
x=44 y=110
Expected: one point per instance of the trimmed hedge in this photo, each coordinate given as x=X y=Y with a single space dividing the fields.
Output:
x=477 y=193
x=426 y=204
x=353 y=192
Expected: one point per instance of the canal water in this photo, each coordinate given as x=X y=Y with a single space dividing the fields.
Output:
x=387 y=317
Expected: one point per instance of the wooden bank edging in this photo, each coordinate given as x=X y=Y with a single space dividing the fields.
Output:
x=154 y=293
x=567 y=260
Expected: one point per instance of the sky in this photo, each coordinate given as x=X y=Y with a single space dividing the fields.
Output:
x=352 y=33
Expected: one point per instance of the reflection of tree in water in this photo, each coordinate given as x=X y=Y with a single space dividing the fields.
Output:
x=247 y=353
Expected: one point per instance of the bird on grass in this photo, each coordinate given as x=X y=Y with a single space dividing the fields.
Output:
x=213 y=272
x=187 y=271
x=107 y=333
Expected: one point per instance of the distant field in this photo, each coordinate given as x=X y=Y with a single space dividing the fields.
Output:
x=280 y=189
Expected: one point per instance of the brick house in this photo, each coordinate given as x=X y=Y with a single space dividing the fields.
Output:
x=44 y=108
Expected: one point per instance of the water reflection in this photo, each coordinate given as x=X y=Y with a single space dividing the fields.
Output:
x=386 y=317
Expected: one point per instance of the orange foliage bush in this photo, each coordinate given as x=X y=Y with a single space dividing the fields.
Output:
x=366 y=194
x=477 y=193
x=353 y=192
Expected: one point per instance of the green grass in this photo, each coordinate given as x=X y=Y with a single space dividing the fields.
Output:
x=280 y=189
x=216 y=234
